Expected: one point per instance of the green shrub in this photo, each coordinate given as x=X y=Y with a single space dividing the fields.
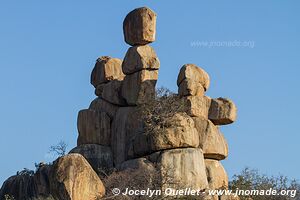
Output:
x=250 y=179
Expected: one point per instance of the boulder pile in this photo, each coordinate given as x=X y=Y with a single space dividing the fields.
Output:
x=111 y=135
x=190 y=148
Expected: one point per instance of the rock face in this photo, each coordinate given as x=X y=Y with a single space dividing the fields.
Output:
x=93 y=127
x=183 y=167
x=138 y=88
x=139 y=26
x=26 y=185
x=99 y=157
x=179 y=132
x=138 y=58
x=190 y=88
x=120 y=134
x=211 y=139
x=216 y=174
x=196 y=106
x=222 y=111
x=41 y=180
x=20 y=186
x=72 y=178
x=111 y=92
x=101 y=105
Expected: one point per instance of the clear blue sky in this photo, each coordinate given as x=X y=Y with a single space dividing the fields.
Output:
x=48 y=49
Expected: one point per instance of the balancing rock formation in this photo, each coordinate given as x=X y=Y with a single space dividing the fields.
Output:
x=188 y=151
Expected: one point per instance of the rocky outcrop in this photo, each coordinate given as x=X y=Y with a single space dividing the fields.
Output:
x=19 y=186
x=184 y=146
x=69 y=178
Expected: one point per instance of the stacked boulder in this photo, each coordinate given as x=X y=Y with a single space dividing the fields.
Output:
x=189 y=150
x=207 y=115
x=121 y=86
x=186 y=153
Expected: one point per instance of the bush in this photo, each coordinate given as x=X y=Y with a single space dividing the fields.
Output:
x=250 y=179
x=60 y=149
x=155 y=113
x=136 y=179
x=8 y=197
x=26 y=172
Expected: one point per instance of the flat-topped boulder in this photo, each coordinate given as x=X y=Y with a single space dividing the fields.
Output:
x=106 y=69
x=178 y=132
x=139 y=26
x=222 y=111
x=138 y=58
